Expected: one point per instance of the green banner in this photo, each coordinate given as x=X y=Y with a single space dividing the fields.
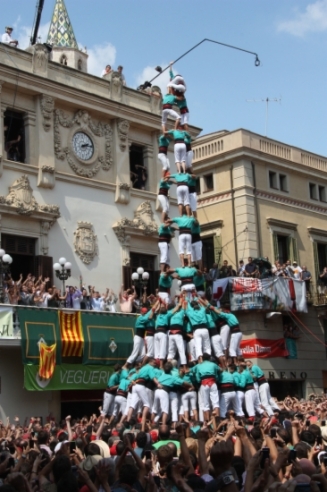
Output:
x=68 y=377
x=37 y=324
x=108 y=338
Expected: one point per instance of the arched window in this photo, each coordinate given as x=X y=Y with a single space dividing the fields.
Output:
x=80 y=64
x=63 y=60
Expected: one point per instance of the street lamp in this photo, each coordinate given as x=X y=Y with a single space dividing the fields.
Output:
x=63 y=270
x=5 y=262
x=140 y=278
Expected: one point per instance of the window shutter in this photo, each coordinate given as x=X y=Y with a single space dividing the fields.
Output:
x=316 y=259
x=44 y=267
x=275 y=246
x=292 y=249
x=217 y=242
x=127 y=277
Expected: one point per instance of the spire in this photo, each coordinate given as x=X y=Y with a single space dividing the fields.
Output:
x=61 y=31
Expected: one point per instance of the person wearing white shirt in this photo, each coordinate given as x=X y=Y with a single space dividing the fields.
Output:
x=297 y=271
x=7 y=39
x=106 y=71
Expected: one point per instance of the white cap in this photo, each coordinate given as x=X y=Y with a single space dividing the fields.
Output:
x=58 y=446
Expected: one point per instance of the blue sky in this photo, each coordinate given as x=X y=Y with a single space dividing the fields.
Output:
x=290 y=38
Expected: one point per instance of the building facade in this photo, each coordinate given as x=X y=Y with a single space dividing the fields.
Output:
x=261 y=198
x=79 y=178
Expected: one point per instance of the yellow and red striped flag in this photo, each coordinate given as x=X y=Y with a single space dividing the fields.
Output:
x=72 y=340
x=47 y=360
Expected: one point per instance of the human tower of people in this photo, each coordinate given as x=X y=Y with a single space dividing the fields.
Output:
x=186 y=360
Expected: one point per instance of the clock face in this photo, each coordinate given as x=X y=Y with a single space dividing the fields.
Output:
x=83 y=146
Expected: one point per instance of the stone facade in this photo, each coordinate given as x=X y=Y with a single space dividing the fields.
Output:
x=263 y=190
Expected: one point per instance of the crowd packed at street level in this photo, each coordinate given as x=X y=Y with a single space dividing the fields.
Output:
x=283 y=453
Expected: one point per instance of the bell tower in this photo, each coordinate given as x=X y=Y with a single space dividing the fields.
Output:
x=61 y=37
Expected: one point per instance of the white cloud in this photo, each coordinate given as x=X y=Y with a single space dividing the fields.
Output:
x=314 y=19
x=99 y=57
x=23 y=34
x=149 y=72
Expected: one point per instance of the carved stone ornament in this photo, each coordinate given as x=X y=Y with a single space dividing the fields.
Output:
x=123 y=128
x=48 y=169
x=47 y=107
x=83 y=120
x=156 y=99
x=85 y=242
x=21 y=199
x=116 y=86
x=143 y=222
x=40 y=59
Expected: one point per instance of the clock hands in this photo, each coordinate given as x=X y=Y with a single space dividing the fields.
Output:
x=85 y=145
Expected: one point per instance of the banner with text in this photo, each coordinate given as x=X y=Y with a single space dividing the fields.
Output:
x=68 y=377
x=6 y=323
x=274 y=293
x=262 y=348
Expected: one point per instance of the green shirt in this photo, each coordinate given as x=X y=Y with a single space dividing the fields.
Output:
x=177 y=134
x=196 y=316
x=163 y=141
x=165 y=281
x=184 y=222
x=206 y=369
x=169 y=99
x=165 y=230
x=182 y=178
x=163 y=319
x=186 y=272
x=178 y=318
x=164 y=184
x=158 y=445
x=113 y=379
x=256 y=372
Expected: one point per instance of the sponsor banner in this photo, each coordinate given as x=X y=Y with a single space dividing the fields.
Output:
x=273 y=294
x=68 y=377
x=263 y=349
x=6 y=323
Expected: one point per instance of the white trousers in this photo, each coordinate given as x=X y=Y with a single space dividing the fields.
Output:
x=169 y=112
x=224 y=333
x=143 y=394
x=180 y=151
x=189 y=401
x=174 y=405
x=217 y=346
x=183 y=196
x=149 y=343
x=108 y=404
x=185 y=118
x=202 y=342
x=137 y=349
x=160 y=402
x=189 y=158
x=120 y=405
x=178 y=83
x=160 y=345
x=164 y=249
x=228 y=401
x=185 y=244
x=164 y=161
x=193 y=201
x=164 y=203
x=252 y=403
x=209 y=397
x=235 y=344
x=267 y=401
x=176 y=344
x=191 y=350
x=239 y=402
x=197 y=251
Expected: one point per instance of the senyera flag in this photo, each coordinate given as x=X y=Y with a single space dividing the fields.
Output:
x=263 y=348
x=72 y=339
x=47 y=360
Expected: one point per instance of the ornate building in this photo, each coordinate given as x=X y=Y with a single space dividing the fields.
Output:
x=262 y=198
x=77 y=180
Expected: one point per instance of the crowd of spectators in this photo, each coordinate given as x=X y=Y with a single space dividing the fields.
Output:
x=283 y=453
x=37 y=292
